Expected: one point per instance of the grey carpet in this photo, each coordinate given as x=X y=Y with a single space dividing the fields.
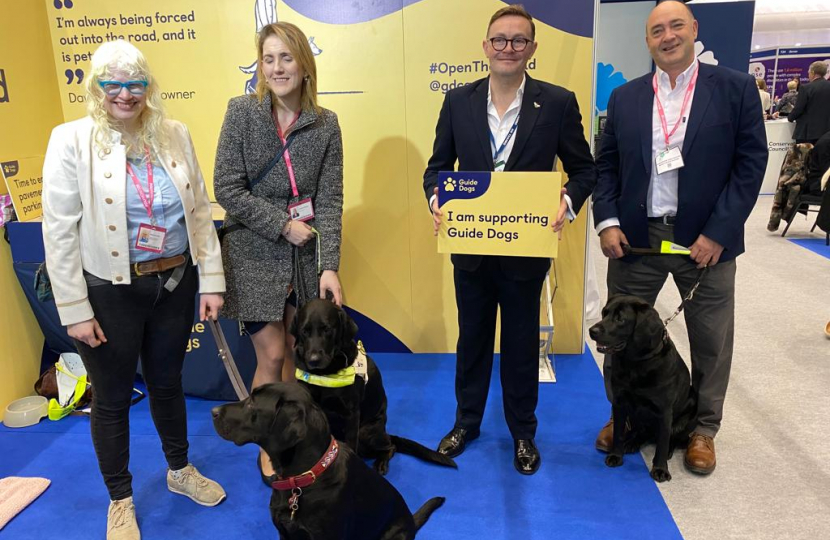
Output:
x=772 y=479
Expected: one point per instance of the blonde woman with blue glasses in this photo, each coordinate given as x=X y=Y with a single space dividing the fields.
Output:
x=129 y=242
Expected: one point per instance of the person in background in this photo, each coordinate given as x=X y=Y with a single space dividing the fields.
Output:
x=279 y=177
x=786 y=104
x=765 y=97
x=811 y=113
x=129 y=241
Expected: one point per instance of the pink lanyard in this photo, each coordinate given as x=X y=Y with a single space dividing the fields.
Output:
x=285 y=151
x=662 y=113
x=146 y=199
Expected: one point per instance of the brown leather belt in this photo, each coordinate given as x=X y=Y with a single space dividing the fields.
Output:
x=157 y=266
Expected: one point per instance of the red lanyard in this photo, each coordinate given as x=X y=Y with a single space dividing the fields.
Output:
x=285 y=151
x=662 y=113
x=146 y=199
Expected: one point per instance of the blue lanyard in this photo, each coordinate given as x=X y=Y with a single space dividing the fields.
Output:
x=506 y=139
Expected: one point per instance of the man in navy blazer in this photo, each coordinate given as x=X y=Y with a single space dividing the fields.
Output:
x=682 y=159
x=508 y=122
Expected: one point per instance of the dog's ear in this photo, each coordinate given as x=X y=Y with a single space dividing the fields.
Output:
x=348 y=326
x=648 y=329
x=295 y=421
x=294 y=329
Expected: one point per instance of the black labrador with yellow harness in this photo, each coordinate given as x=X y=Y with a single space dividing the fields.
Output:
x=347 y=385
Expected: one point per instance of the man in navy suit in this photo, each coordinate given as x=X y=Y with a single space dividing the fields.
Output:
x=505 y=122
x=682 y=159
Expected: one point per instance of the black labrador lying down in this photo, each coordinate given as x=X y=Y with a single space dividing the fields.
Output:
x=326 y=356
x=650 y=384
x=323 y=490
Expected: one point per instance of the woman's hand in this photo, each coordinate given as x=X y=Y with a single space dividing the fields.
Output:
x=88 y=332
x=297 y=232
x=330 y=282
x=209 y=305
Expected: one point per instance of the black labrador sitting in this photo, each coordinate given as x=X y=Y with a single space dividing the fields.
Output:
x=325 y=353
x=341 y=498
x=650 y=384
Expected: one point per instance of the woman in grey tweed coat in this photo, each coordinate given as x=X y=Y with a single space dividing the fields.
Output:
x=262 y=241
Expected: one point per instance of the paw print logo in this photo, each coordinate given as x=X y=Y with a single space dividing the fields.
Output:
x=449 y=184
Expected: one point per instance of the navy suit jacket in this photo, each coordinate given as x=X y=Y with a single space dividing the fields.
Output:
x=724 y=152
x=552 y=129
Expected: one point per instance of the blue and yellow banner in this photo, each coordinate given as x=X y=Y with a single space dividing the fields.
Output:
x=499 y=213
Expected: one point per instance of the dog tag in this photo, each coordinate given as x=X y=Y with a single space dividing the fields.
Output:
x=361 y=365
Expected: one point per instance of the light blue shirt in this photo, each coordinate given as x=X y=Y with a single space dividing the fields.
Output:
x=168 y=212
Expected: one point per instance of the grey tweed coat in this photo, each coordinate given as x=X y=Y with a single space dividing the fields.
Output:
x=258 y=260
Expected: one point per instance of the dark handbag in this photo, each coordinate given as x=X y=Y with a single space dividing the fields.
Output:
x=43 y=285
x=223 y=230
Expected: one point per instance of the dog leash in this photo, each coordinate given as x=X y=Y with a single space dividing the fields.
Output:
x=688 y=296
x=227 y=359
x=301 y=290
x=670 y=248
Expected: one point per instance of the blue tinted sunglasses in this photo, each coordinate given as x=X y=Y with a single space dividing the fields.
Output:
x=113 y=88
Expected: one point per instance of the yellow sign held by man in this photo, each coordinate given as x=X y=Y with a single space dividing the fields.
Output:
x=499 y=213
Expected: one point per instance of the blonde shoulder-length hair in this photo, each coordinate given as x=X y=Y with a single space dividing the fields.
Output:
x=297 y=44
x=122 y=58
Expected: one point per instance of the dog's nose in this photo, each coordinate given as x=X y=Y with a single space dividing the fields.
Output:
x=593 y=332
x=215 y=412
x=314 y=357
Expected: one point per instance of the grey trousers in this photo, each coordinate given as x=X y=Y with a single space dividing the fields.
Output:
x=710 y=318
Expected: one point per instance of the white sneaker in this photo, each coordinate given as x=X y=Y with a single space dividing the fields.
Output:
x=191 y=483
x=121 y=523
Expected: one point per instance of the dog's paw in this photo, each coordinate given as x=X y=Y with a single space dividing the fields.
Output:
x=382 y=466
x=660 y=475
x=613 y=460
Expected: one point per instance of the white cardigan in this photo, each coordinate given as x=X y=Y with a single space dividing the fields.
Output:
x=85 y=220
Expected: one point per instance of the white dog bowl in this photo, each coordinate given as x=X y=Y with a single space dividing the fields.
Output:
x=26 y=411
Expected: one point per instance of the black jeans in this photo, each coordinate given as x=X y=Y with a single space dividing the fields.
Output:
x=144 y=319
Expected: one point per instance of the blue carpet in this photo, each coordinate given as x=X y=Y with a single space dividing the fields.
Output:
x=573 y=496
x=816 y=245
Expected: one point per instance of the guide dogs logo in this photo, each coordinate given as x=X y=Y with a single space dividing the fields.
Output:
x=449 y=184
x=4 y=89
x=10 y=168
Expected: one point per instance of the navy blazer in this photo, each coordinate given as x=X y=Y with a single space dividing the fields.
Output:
x=551 y=129
x=724 y=152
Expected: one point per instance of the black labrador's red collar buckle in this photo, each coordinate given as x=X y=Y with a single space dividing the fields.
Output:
x=310 y=476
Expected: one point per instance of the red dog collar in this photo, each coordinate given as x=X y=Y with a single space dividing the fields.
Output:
x=310 y=476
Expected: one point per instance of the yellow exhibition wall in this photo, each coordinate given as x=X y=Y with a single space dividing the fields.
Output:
x=28 y=111
x=375 y=75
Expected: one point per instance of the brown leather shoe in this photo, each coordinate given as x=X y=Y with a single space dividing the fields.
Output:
x=605 y=439
x=700 y=454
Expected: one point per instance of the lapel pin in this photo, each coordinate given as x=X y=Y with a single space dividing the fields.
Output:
x=536 y=105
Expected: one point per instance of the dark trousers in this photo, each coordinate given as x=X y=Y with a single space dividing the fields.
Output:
x=478 y=295
x=141 y=318
x=710 y=318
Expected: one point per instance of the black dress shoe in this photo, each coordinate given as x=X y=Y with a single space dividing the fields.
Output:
x=527 y=458
x=267 y=480
x=453 y=443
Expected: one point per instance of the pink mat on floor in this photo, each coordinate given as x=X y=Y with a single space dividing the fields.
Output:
x=17 y=493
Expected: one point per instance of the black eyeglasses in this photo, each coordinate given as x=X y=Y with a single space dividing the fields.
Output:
x=519 y=44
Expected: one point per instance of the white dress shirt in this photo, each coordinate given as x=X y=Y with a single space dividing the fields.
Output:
x=662 y=188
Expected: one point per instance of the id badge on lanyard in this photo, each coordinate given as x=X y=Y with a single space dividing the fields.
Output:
x=302 y=210
x=150 y=236
x=671 y=158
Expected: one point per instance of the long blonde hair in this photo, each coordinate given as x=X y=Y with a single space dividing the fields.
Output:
x=123 y=58
x=297 y=44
